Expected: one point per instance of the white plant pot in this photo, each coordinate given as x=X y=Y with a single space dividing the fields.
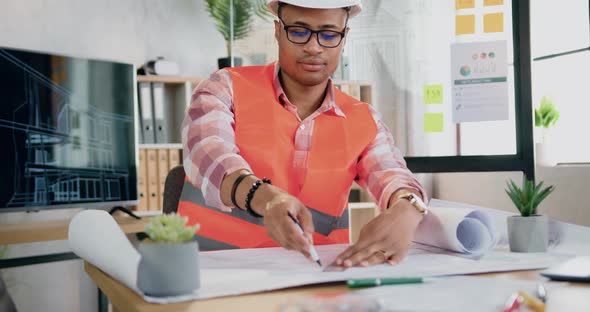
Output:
x=168 y=269
x=544 y=155
x=528 y=234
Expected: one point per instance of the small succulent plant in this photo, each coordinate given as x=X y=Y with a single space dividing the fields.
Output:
x=170 y=228
x=546 y=115
x=528 y=197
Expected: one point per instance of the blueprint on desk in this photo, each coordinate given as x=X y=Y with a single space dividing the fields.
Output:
x=266 y=269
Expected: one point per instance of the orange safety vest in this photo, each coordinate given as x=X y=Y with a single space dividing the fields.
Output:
x=265 y=133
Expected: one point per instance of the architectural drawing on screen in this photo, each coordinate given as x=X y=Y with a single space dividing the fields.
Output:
x=62 y=144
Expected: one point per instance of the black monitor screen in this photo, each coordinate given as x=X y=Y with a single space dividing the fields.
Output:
x=67 y=132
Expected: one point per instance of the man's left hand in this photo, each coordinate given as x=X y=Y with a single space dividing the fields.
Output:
x=386 y=238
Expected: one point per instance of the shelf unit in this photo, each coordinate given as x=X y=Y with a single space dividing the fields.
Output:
x=169 y=79
x=177 y=146
x=361 y=90
x=167 y=100
x=156 y=159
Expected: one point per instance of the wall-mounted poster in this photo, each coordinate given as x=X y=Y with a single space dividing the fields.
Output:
x=479 y=73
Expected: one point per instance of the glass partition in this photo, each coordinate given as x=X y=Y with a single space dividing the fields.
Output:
x=441 y=73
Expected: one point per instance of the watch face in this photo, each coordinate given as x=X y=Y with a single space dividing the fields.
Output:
x=417 y=202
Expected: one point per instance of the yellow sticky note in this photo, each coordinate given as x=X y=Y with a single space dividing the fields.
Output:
x=464 y=4
x=433 y=94
x=433 y=122
x=493 y=22
x=492 y=2
x=464 y=24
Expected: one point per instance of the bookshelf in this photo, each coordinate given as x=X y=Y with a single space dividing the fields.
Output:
x=169 y=79
x=177 y=146
x=361 y=90
x=167 y=98
x=162 y=102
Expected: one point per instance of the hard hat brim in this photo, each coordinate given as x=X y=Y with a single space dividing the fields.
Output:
x=355 y=5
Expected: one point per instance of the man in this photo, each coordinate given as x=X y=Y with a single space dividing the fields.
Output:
x=286 y=122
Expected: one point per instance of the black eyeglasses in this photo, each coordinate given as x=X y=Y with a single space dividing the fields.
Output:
x=302 y=35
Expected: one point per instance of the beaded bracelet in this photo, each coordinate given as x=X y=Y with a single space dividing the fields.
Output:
x=235 y=188
x=255 y=186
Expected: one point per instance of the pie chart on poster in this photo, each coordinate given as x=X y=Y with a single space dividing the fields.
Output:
x=465 y=70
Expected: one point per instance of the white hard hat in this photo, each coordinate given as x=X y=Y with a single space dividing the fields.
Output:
x=355 y=5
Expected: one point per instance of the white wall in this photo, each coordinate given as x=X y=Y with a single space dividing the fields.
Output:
x=567 y=203
x=130 y=31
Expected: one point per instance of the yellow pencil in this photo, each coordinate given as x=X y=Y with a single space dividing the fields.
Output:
x=534 y=303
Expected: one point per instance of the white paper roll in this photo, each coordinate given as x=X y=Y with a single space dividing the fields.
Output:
x=94 y=236
x=458 y=229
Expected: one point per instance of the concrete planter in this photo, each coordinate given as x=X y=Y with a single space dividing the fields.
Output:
x=224 y=62
x=168 y=269
x=545 y=155
x=528 y=234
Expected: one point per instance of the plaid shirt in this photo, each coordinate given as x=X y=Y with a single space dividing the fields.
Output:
x=210 y=151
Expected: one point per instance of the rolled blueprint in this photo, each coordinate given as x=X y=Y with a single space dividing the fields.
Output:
x=458 y=229
x=94 y=236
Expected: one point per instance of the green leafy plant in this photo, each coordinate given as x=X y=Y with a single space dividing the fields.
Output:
x=243 y=14
x=528 y=197
x=170 y=228
x=546 y=115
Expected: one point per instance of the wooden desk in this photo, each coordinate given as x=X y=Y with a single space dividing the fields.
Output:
x=56 y=230
x=124 y=299
x=48 y=231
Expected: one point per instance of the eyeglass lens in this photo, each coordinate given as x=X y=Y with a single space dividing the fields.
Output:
x=326 y=38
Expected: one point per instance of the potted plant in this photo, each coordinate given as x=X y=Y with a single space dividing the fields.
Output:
x=169 y=257
x=545 y=117
x=527 y=232
x=243 y=13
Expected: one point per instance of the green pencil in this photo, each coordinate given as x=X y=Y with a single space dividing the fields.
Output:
x=370 y=282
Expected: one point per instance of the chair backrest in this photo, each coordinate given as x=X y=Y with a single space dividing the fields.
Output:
x=6 y=304
x=173 y=189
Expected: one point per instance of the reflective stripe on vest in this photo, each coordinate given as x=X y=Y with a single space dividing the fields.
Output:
x=265 y=133
x=223 y=230
x=209 y=244
x=323 y=223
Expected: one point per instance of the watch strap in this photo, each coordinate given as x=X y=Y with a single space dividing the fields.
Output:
x=414 y=201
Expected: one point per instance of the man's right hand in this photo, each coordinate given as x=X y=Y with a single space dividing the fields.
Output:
x=281 y=228
x=274 y=204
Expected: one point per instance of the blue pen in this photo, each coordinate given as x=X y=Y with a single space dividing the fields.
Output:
x=312 y=252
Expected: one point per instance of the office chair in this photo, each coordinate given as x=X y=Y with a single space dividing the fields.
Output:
x=6 y=304
x=173 y=188
x=173 y=192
